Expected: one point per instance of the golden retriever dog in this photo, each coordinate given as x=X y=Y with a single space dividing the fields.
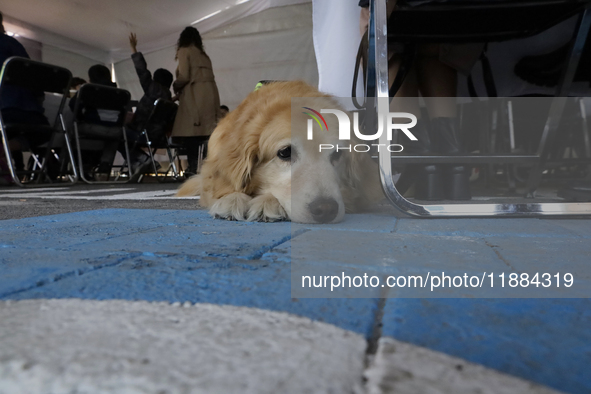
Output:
x=262 y=167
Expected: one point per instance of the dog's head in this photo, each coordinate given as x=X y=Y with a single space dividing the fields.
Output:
x=271 y=154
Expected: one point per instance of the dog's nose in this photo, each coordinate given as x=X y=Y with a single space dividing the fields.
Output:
x=324 y=209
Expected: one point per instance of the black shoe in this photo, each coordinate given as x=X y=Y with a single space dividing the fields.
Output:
x=456 y=176
x=104 y=168
x=189 y=173
x=142 y=169
x=102 y=172
x=427 y=179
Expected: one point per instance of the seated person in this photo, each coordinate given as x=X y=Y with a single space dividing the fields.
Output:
x=76 y=84
x=99 y=124
x=154 y=88
x=19 y=106
x=223 y=111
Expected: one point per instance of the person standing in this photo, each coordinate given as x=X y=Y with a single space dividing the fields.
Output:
x=197 y=92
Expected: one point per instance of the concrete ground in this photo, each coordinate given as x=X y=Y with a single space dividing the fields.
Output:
x=126 y=289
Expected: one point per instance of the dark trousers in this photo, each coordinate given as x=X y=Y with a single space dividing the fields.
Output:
x=30 y=139
x=101 y=138
x=191 y=145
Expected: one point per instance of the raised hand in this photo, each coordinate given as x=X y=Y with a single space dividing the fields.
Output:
x=133 y=42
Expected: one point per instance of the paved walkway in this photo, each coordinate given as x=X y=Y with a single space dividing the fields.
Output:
x=244 y=330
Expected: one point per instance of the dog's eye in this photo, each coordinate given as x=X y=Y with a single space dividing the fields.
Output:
x=284 y=153
x=335 y=156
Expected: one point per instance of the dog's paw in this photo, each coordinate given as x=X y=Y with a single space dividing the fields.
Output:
x=233 y=206
x=266 y=208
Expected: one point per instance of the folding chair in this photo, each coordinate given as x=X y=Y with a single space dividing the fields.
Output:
x=101 y=98
x=38 y=77
x=492 y=20
x=155 y=134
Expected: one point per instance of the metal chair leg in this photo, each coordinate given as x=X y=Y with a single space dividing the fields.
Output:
x=171 y=159
x=559 y=102
x=70 y=152
x=200 y=158
x=149 y=143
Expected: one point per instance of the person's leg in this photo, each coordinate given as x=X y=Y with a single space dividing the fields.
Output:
x=202 y=142
x=140 y=160
x=108 y=157
x=132 y=141
x=138 y=156
x=15 y=146
x=191 y=147
x=426 y=178
x=438 y=85
x=107 y=139
x=407 y=97
x=16 y=140
x=437 y=82
x=18 y=158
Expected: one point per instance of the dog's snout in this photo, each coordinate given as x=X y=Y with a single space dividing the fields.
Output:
x=324 y=210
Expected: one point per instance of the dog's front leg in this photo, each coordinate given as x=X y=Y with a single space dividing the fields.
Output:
x=233 y=206
x=266 y=208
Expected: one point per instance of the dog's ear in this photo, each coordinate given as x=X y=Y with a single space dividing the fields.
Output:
x=244 y=158
x=360 y=183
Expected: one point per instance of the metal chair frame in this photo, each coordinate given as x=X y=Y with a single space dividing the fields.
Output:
x=377 y=86
x=31 y=74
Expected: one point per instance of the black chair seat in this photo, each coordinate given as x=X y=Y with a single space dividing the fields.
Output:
x=34 y=137
x=29 y=129
x=91 y=145
x=478 y=21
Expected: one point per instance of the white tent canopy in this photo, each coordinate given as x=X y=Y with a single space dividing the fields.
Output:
x=247 y=40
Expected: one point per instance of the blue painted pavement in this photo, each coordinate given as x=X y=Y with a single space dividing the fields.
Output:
x=160 y=255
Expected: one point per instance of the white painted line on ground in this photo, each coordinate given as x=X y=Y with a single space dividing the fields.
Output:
x=178 y=198
x=115 y=346
x=140 y=195
x=152 y=195
x=401 y=368
x=96 y=191
x=33 y=190
x=33 y=193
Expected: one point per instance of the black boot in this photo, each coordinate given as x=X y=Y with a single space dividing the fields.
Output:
x=456 y=176
x=191 y=145
x=192 y=167
x=427 y=179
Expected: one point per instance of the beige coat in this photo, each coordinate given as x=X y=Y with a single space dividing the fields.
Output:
x=199 y=100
